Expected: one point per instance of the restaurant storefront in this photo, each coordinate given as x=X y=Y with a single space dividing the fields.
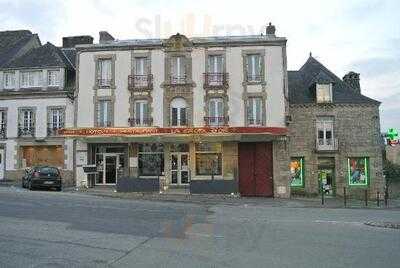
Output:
x=175 y=156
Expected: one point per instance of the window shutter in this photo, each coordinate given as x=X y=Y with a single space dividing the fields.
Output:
x=258 y=111
x=220 y=110
x=220 y=63
x=146 y=112
x=183 y=116
x=212 y=108
x=210 y=64
x=184 y=66
x=248 y=65
x=250 y=111
x=174 y=115
x=109 y=113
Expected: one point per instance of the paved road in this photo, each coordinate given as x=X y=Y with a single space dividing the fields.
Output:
x=51 y=229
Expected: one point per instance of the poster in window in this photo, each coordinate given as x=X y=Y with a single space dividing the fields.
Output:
x=358 y=170
x=296 y=172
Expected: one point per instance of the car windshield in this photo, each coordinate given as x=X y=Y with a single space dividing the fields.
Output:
x=48 y=170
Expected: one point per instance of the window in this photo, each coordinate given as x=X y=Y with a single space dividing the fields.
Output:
x=253 y=68
x=297 y=172
x=216 y=112
x=31 y=79
x=324 y=93
x=26 y=125
x=141 y=112
x=57 y=118
x=104 y=72
x=178 y=72
x=325 y=133
x=104 y=113
x=178 y=112
x=53 y=78
x=3 y=124
x=254 y=111
x=9 y=80
x=209 y=159
x=358 y=171
x=215 y=75
x=141 y=72
x=151 y=159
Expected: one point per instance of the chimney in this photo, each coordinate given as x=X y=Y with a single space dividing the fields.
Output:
x=105 y=37
x=72 y=41
x=352 y=79
x=270 y=30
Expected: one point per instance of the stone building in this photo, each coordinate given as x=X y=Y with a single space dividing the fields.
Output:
x=185 y=110
x=36 y=99
x=334 y=133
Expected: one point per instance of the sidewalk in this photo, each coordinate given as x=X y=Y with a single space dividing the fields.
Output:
x=235 y=199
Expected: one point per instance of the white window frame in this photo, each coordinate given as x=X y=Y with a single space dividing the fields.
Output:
x=58 y=114
x=252 y=108
x=105 y=74
x=9 y=80
x=53 y=78
x=141 y=116
x=179 y=104
x=104 y=109
x=325 y=125
x=216 y=118
x=29 y=80
x=252 y=75
x=27 y=118
x=324 y=93
x=178 y=77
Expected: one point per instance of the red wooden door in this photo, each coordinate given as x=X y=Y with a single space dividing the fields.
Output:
x=255 y=169
x=246 y=169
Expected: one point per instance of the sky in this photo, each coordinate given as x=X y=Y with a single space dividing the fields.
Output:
x=361 y=36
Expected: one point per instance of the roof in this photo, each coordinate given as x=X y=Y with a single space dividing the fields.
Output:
x=301 y=81
x=47 y=55
x=218 y=40
x=11 y=43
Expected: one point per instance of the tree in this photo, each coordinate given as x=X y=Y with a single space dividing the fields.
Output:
x=391 y=171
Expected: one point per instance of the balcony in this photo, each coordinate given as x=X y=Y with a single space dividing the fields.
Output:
x=52 y=129
x=178 y=80
x=140 y=82
x=327 y=145
x=3 y=131
x=216 y=80
x=26 y=130
x=140 y=122
x=104 y=82
x=254 y=78
x=254 y=122
x=104 y=124
x=219 y=121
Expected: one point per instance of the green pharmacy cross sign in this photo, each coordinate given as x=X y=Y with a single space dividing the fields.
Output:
x=392 y=137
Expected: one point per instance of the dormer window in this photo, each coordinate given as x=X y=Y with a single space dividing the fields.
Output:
x=324 y=93
x=9 y=80
x=31 y=79
x=53 y=78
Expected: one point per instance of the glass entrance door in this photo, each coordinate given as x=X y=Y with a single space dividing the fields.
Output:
x=179 y=168
x=111 y=164
x=326 y=181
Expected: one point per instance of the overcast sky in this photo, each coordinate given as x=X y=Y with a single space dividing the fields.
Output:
x=362 y=36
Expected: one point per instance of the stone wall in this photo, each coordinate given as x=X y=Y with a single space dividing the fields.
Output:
x=357 y=129
x=281 y=169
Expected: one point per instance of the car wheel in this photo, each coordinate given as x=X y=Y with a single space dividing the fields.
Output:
x=58 y=189
x=30 y=185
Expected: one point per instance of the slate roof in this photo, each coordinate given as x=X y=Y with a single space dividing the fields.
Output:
x=11 y=42
x=45 y=56
x=301 y=90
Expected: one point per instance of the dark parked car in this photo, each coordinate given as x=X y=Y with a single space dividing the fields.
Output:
x=42 y=177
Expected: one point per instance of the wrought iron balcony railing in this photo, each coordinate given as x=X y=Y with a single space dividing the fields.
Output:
x=216 y=80
x=327 y=144
x=140 y=122
x=140 y=82
x=178 y=80
x=104 y=124
x=254 y=78
x=25 y=130
x=254 y=121
x=104 y=82
x=52 y=129
x=218 y=121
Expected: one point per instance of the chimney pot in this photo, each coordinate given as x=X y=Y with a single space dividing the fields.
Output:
x=271 y=29
x=352 y=79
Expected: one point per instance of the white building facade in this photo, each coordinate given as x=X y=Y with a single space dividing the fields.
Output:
x=184 y=110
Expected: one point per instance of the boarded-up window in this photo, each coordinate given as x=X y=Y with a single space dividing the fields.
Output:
x=43 y=156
